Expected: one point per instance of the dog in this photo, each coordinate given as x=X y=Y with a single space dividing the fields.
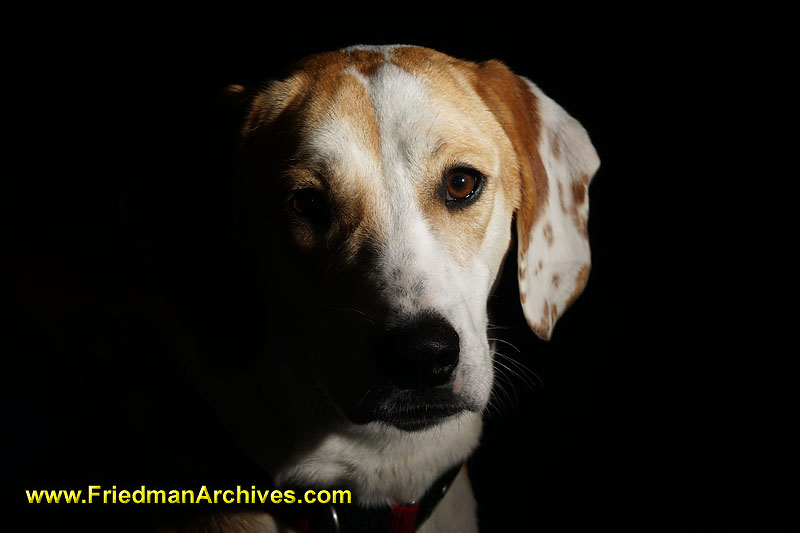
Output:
x=382 y=185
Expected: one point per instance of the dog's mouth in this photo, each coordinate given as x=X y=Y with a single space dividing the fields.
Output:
x=410 y=410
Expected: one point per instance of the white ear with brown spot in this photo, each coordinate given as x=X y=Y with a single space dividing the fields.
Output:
x=553 y=242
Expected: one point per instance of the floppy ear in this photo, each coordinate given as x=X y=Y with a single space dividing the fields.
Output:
x=556 y=161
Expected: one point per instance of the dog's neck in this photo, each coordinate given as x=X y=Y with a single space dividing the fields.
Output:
x=385 y=465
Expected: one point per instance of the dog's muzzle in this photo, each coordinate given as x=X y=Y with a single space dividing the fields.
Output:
x=418 y=360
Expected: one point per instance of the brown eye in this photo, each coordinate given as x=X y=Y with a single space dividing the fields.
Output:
x=461 y=184
x=310 y=204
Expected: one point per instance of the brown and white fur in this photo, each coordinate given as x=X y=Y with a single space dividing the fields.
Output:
x=372 y=131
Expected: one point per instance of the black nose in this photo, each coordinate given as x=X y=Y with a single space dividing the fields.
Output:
x=421 y=353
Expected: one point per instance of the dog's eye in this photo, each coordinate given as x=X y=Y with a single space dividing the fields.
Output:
x=461 y=184
x=310 y=204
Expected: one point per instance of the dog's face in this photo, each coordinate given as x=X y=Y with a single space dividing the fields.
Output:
x=383 y=182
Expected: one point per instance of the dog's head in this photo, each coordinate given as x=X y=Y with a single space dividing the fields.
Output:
x=383 y=182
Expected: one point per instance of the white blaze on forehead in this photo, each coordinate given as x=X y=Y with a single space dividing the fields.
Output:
x=414 y=120
x=405 y=115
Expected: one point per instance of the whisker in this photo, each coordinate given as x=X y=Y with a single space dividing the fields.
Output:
x=504 y=342
x=530 y=374
x=502 y=376
x=499 y=399
x=525 y=374
x=508 y=369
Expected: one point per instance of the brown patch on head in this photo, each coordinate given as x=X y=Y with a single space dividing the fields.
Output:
x=334 y=91
x=335 y=63
x=320 y=92
x=366 y=61
x=321 y=86
x=548 y=234
x=521 y=273
x=556 y=280
x=269 y=103
x=522 y=297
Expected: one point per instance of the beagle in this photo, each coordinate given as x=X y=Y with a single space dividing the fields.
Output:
x=381 y=184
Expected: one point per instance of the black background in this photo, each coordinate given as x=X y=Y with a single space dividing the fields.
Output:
x=666 y=398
